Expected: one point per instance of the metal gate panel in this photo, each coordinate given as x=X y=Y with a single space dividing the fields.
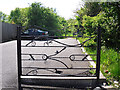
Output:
x=46 y=59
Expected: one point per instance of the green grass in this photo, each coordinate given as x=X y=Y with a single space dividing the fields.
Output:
x=110 y=61
x=91 y=50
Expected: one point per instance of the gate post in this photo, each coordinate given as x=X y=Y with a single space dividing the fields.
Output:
x=19 y=56
x=98 y=55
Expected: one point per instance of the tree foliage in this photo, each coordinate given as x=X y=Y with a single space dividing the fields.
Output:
x=108 y=21
x=107 y=17
x=37 y=14
x=92 y=8
x=3 y=17
x=15 y=16
x=44 y=17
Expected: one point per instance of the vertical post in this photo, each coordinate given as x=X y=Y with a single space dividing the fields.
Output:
x=19 y=56
x=98 y=54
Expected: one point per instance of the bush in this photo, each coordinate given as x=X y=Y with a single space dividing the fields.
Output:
x=110 y=60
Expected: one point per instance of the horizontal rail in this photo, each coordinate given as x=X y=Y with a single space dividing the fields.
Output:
x=38 y=36
x=58 y=46
x=61 y=75
x=71 y=57
x=57 y=75
x=62 y=57
x=55 y=68
x=53 y=78
x=84 y=54
x=35 y=87
x=43 y=36
x=44 y=60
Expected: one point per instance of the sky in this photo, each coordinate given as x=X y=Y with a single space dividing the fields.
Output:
x=64 y=8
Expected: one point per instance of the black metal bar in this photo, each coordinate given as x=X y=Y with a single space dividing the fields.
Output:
x=49 y=75
x=25 y=36
x=57 y=52
x=19 y=56
x=54 y=68
x=84 y=54
x=31 y=54
x=58 y=57
x=58 y=46
x=64 y=75
x=98 y=55
x=83 y=60
x=32 y=57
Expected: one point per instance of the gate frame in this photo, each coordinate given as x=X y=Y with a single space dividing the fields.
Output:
x=19 y=57
x=98 y=55
x=19 y=63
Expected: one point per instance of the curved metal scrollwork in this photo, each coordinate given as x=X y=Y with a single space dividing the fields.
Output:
x=50 y=41
x=32 y=43
x=34 y=72
x=56 y=71
x=54 y=57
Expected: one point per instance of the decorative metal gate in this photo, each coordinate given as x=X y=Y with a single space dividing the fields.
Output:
x=49 y=59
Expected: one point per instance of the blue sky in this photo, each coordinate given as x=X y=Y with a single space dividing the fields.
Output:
x=64 y=8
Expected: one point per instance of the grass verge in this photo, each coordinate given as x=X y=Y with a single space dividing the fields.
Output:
x=109 y=64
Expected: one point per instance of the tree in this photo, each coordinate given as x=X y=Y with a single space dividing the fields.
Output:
x=112 y=14
x=89 y=9
x=108 y=18
x=37 y=14
x=44 y=17
x=71 y=25
x=3 y=17
x=15 y=16
x=92 y=8
x=24 y=18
